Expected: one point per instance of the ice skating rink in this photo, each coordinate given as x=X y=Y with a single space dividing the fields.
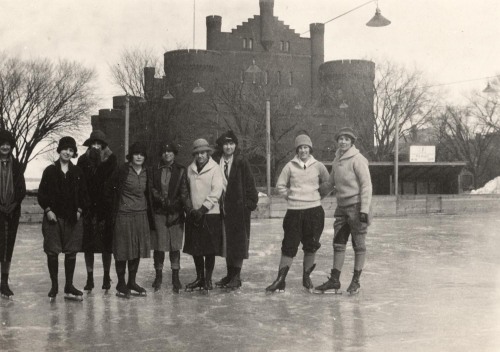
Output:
x=430 y=284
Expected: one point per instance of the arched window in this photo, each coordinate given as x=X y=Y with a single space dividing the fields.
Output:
x=279 y=77
x=242 y=76
x=287 y=46
x=290 y=78
x=282 y=44
x=244 y=43
x=250 y=44
x=266 y=77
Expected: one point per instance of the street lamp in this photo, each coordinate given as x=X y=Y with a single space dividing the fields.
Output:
x=396 y=149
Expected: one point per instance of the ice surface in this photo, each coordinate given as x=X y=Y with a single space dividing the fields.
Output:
x=431 y=283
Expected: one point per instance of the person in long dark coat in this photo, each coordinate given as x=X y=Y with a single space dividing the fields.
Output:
x=63 y=197
x=128 y=192
x=239 y=199
x=12 y=192
x=203 y=238
x=98 y=164
x=170 y=200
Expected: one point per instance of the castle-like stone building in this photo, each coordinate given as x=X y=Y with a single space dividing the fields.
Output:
x=262 y=54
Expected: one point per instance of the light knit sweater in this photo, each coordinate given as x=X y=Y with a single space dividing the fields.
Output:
x=301 y=186
x=351 y=177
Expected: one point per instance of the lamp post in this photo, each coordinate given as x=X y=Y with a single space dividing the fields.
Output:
x=127 y=124
x=268 y=146
x=396 y=149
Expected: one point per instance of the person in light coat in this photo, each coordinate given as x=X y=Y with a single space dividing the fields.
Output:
x=203 y=237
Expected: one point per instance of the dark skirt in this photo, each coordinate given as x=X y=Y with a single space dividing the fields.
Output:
x=97 y=235
x=8 y=232
x=204 y=238
x=131 y=236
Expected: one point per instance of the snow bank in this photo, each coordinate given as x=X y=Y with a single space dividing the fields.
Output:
x=492 y=187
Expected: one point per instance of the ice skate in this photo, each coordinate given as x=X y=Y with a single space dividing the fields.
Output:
x=198 y=283
x=208 y=282
x=176 y=283
x=225 y=280
x=354 y=286
x=158 y=280
x=235 y=280
x=122 y=291
x=72 y=294
x=306 y=279
x=136 y=290
x=331 y=286
x=6 y=292
x=53 y=293
x=279 y=284
x=106 y=282
x=90 y=284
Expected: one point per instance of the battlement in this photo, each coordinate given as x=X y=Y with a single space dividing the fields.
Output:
x=362 y=68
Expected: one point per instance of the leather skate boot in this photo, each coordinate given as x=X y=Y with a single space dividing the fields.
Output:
x=158 y=280
x=90 y=282
x=306 y=280
x=106 y=281
x=208 y=281
x=5 y=290
x=176 y=283
x=279 y=284
x=235 y=281
x=354 y=286
x=199 y=283
x=225 y=280
x=332 y=285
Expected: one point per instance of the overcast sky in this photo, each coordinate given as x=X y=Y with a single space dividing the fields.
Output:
x=450 y=40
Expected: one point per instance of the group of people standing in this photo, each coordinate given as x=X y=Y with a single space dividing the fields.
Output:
x=98 y=206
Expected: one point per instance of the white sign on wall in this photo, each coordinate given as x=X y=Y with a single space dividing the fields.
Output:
x=422 y=153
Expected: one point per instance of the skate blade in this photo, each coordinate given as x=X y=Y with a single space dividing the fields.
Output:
x=138 y=294
x=73 y=298
x=353 y=293
x=9 y=298
x=329 y=292
x=122 y=295
x=52 y=299
x=273 y=292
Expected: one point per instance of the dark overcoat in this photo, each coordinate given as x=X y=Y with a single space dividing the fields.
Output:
x=238 y=201
x=113 y=189
x=10 y=221
x=177 y=201
x=97 y=230
x=50 y=192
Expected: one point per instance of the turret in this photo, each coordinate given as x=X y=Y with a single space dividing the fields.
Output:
x=214 y=24
x=317 y=54
x=266 y=23
x=149 y=78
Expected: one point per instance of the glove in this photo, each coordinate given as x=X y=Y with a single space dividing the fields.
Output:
x=363 y=217
x=198 y=213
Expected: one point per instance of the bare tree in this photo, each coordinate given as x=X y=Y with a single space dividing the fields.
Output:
x=128 y=73
x=241 y=107
x=407 y=89
x=40 y=100
x=462 y=136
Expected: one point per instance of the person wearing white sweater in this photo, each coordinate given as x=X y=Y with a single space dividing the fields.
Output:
x=299 y=182
x=351 y=177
